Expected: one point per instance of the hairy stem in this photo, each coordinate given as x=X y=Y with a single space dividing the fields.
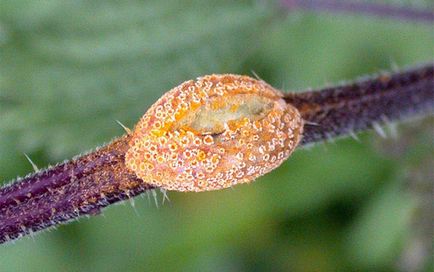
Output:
x=363 y=7
x=84 y=185
x=341 y=110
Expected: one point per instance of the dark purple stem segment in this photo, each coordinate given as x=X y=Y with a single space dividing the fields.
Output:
x=82 y=186
x=341 y=110
x=363 y=7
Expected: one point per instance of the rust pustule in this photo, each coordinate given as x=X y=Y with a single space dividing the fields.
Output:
x=212 y=133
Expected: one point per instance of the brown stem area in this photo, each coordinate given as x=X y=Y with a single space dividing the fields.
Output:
x=82 y=186
x=85 y=185
x=341 y=110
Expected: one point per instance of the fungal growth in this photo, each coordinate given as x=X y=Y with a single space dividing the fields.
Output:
x=212 y=133
x=208 y=134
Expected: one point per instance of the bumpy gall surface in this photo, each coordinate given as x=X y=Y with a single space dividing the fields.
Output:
x=212 y=133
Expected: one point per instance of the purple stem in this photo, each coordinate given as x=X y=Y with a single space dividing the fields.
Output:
x=363 y=7
x=342 y=110
x=82 y=186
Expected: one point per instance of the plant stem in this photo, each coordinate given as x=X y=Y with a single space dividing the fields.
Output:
x=346 y=109
x=363 y=7
x=86 y=184
x=82 y=186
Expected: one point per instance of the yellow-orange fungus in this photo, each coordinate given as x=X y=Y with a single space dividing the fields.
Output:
x=213 y=133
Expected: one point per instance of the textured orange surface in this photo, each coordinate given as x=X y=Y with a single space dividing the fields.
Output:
x=212 y=133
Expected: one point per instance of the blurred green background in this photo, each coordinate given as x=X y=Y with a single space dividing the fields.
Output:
x=69 y=69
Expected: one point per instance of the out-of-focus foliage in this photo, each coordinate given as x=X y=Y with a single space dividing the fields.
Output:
x=69 y=69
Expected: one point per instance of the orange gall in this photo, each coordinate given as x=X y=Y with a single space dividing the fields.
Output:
x=212 y=133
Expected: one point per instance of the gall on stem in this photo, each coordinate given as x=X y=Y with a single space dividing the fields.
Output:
x=213 y=133
x=227 y=130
